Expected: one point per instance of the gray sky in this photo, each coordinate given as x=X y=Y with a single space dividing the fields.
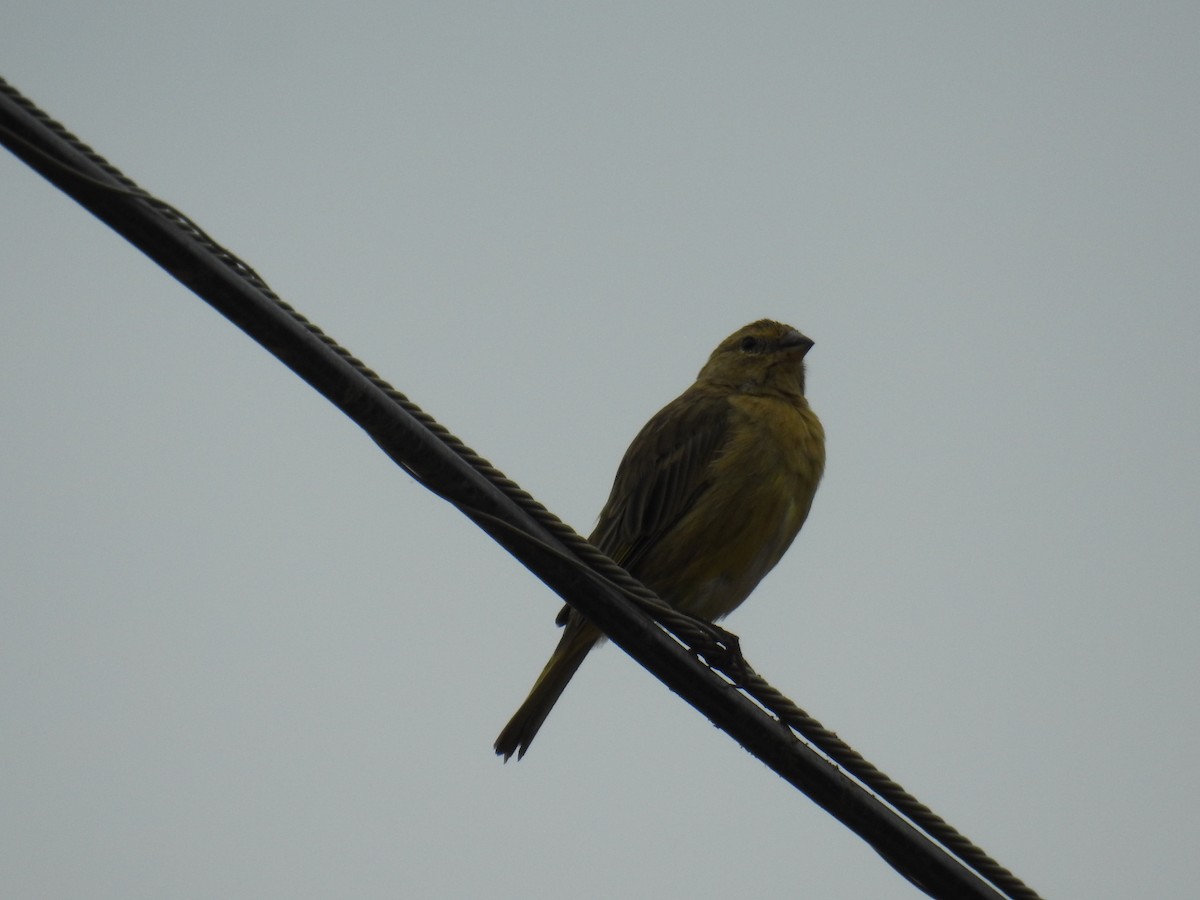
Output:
x=242 y=655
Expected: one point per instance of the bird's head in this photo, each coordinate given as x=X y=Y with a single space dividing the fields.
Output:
x=762 y=357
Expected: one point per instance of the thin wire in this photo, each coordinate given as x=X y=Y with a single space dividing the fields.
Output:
x=718 y=648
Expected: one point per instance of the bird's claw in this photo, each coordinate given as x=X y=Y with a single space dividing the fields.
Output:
x=725 y=652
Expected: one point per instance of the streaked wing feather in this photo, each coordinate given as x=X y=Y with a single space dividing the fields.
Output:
x=663 y=473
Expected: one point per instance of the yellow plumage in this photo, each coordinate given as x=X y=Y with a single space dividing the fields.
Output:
x=707 y=499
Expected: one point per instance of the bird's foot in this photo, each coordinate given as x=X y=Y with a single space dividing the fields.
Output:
x=725 y=652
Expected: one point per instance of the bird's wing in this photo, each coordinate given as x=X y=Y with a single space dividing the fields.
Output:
x=666 y=468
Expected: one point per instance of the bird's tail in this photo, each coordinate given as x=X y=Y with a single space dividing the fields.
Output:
x=518 y=734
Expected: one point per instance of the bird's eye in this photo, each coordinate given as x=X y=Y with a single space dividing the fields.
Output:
x=750 y=344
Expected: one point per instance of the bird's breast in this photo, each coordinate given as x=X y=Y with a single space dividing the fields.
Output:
x=760 y=491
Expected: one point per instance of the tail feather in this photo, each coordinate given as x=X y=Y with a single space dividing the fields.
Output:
x=518 y=734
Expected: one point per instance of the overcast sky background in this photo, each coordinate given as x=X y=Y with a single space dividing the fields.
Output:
x=244 y=656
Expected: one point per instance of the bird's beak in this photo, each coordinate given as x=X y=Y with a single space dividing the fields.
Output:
x=794 y=340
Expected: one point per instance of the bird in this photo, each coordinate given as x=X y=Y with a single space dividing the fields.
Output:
x=706 y=500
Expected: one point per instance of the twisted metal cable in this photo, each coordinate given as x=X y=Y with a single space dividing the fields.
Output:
x=718 y=648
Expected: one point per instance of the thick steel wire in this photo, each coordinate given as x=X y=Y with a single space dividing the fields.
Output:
x=718 y=648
